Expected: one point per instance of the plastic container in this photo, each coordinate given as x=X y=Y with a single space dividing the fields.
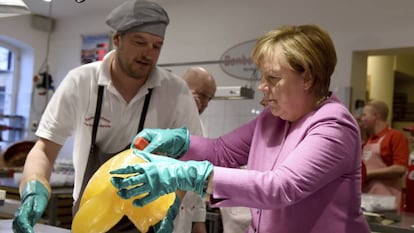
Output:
x=2 y=196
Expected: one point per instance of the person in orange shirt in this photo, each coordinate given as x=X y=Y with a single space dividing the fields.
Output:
x=410 y=131
x=385 y=153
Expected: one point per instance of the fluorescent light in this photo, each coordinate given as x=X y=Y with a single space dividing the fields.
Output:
x=234 y=93
x=13 y=7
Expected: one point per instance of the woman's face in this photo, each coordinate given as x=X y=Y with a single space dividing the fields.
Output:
x=283 y=88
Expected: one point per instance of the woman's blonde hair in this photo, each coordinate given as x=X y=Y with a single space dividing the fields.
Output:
x=306 y=48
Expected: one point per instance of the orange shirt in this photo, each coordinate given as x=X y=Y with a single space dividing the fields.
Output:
x=394 y=146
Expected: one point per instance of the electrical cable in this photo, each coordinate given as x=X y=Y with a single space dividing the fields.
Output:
x=44 y=68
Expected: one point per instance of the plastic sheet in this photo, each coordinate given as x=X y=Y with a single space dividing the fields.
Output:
x=101 y=208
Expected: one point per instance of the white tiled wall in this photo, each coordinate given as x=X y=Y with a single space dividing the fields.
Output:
x=222 y=116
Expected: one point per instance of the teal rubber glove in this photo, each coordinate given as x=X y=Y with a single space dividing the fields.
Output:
x=166 y=225
x=34 y=196
x=162 y=175
x=171 y=142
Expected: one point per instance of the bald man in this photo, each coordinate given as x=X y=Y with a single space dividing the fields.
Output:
x=202 y=85
x=203 y=88
x=193 y=208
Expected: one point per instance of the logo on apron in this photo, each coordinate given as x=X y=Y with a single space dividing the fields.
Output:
x=366 y=155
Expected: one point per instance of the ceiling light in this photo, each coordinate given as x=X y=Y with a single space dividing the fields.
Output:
x=13 y=7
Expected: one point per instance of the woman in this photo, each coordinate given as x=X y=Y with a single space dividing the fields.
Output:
x=302 y=152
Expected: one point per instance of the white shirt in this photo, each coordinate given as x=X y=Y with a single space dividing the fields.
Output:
x=72 y=108
x=192 y=209
x=235 y=219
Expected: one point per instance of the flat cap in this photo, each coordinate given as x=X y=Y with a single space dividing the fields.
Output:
x=139 y=16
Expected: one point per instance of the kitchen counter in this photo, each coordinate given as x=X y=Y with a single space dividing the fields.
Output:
x=8 y=208
x=6 y=227
x=59 y=210
x=406 y=225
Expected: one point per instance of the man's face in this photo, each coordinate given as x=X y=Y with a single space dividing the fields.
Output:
x=202 y=95
x=137 y=53
x=368 y=118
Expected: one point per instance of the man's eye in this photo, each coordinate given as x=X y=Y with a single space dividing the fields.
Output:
x=139 y=42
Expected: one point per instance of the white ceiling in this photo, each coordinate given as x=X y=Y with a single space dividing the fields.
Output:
x=70 y=8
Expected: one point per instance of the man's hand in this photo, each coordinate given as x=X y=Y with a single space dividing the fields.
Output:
x=199 y=227
x=34 y=196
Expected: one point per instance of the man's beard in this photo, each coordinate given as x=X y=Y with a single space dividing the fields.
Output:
x=135 y=74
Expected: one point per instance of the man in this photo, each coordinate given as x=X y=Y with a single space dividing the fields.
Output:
x=193 y=209
x=410 y=131
x=202 y=86
x=104 y=104
x=385 y=153
x=409 y=189
x=234 y=219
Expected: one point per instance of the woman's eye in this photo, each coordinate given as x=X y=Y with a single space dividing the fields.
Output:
x=272 y=79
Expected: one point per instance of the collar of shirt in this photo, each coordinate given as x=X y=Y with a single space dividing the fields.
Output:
x=377 y=136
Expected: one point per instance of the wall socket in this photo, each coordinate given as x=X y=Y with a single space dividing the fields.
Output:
x=34 y=125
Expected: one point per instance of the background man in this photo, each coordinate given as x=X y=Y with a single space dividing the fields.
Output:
x=203 y=88
x=193 y=208
x=410 y=131
x=385 y=153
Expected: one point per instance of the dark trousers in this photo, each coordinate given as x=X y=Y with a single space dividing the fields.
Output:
x=126 y=226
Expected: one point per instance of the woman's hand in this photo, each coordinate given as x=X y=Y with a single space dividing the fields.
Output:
x=171 y=142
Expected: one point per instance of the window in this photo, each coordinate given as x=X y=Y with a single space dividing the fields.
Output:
x=5 y=59
x=11 y=124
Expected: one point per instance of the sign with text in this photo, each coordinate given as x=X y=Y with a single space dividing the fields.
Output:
x=237 y=62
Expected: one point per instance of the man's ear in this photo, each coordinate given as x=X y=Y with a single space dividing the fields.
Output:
x=116 y=37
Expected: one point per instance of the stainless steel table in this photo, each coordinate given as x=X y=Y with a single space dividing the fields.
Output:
x=59 y=210
x=6 y=227
x=406 y=225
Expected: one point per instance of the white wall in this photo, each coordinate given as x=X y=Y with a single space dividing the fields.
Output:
x=204 y=30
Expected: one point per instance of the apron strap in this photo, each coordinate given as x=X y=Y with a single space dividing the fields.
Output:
x=96 y=118
x=89 y=170
x=144 y=110
x=94 y=162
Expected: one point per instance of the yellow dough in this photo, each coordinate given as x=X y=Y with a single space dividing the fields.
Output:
x=101 y=208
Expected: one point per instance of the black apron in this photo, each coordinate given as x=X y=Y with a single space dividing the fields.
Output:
x=97 y=158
